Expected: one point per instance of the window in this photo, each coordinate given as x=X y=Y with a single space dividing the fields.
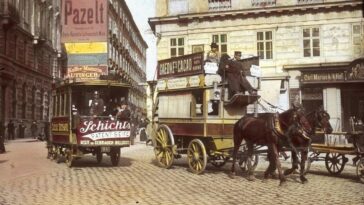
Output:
x=177 y=7
x=311 y=42
x=219 y=5
x=177 y=47
x=265 y=45
x=358 y=40
x=221 y=41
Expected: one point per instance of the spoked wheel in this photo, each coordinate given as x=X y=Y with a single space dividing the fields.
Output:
x=114 y=156
x=219 y=161
x=360 y=169
x=69 y=157
x=243 y=162
x=335 y=163
x=196 y=155
x=163 y=147
x=98 y=155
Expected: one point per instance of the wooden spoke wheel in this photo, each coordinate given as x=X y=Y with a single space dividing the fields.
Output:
x=197 y=158
x=69 y=157
x=360 y=169
x=115 y=156
x=335 y=163
x=163 y=147
x=243 y=162
x=219 y=161
x=98 y=155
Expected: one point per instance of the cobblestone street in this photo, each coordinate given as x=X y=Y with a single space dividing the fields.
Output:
x=28 y=178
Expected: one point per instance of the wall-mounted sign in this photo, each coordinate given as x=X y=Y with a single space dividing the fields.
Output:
x=86 y=48
x=180 y=83
x=181 y=66
x=82 y=73
x=84 y=20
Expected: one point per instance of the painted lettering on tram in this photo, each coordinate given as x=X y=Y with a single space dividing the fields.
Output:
x=91 y=126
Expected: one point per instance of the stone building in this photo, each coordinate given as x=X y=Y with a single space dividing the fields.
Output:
x=310 y=50
x=30 y=60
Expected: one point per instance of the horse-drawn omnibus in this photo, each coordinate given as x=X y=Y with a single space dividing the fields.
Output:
x=194 y=114
x=84 y=120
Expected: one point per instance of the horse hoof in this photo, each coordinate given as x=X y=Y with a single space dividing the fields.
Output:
x=232 y=175
x=251 y=178
x=303 y=180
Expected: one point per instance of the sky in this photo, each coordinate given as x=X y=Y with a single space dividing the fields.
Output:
x=141 y=11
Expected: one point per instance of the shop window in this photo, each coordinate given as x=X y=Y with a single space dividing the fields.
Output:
x=265 y=45
x=311 y=42
x=358 y=38
x=177 y=47
x=221 y=41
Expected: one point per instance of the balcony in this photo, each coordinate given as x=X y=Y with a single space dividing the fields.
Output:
x=263 y=3
x=219 y=5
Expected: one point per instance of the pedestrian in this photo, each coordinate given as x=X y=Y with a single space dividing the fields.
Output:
x=21 y=128
x=11 y=130
x=34 y=129
x=2 y=137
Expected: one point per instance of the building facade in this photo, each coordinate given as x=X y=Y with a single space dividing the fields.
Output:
x=294 y=39
x=31 y=59
x=127 y=52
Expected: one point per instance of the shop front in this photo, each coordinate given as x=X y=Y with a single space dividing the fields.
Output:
x=339 y=89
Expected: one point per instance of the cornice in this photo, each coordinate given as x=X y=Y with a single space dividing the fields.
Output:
x=256 y=12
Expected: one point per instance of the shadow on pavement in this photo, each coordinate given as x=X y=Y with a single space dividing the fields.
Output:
x=89 y=161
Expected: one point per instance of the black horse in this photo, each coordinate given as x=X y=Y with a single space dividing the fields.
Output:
x=316 y=119
x=264 y=131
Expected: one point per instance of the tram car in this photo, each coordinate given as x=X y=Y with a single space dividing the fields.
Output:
x=193 y=112
x=84 y=121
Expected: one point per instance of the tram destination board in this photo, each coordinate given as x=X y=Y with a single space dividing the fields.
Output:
x=186 y=65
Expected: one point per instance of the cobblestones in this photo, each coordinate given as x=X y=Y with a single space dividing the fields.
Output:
x=137 y=180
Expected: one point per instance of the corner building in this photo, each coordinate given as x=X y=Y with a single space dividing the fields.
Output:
x=31 y=59
x=310 y=51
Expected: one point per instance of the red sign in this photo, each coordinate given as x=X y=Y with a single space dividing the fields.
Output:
x=105 y=131
x=84 y=20
x=181 y=66
x=88 y=72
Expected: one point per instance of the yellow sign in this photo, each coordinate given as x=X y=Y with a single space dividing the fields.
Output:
x=86 y=48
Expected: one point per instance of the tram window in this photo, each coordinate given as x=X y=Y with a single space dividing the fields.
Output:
x=61 y=105
x=54 y=105
x=67 y=105
x=197 y=103
x=213 y=104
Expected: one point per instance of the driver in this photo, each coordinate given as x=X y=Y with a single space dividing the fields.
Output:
x=96 y=105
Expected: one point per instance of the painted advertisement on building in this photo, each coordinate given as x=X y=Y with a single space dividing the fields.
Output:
x=84 y=21
x=86 y=72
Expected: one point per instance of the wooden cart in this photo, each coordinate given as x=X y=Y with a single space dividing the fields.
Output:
x=193 y=115
x=335 y=153
x=75 y=132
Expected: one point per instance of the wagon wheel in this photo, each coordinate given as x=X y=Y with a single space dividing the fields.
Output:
x=163 y=147
x=360 y=170
x=115 y=156
x=219 y=161
x=196 y=155
x=243 y=162
x=98 y=155
x=335 y=163
x=69 y=157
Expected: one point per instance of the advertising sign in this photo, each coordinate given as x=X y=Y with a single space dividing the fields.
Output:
x=181 y=66
x=103 y=132
x=86 y=72
x=84 y=21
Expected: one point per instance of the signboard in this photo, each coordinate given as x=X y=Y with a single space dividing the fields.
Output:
x=86 y=72
x=86 y=48
x=181 y=66
x=103 y=132
x=84 y=21
x=180 y=83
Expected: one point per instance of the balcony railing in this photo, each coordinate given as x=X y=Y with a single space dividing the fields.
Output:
x=263 y=3
x=219 y=5
x=309 y=1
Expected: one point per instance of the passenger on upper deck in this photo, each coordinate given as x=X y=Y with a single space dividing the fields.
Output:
x=231 y=71
x=213 y=55
x=96 y=105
